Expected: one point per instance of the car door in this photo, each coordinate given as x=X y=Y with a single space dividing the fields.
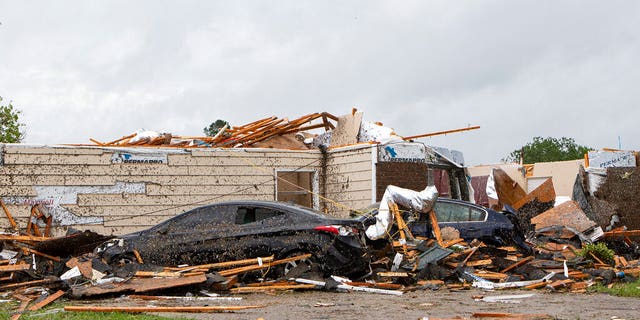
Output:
x=258 y=230
x=191 y=237
x=467 y=219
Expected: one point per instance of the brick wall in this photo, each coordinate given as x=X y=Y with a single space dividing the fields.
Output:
x=409 y=175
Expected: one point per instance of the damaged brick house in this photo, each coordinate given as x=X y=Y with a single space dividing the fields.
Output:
x=117 y=188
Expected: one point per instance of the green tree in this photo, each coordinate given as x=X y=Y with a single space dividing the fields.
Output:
x=10 y=124
x=215 y=127
x=547 y=150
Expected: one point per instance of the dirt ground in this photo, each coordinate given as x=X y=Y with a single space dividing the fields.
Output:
x=413 y=305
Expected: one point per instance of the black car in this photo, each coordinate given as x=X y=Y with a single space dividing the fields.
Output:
x=238 y=230
x=472 y=221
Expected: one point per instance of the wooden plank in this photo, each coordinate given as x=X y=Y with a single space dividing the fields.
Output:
x=196 y=309
x=158 y=274
x=449 y=243
x=138 y=256
x=137 y=285
x=513 y=316
x=596 y=258
x=392 y=274
x=230 y=272
x=536 y=286
x=560 y=284
x=13 y=286
x=38 y=253
x=517 y=264
x=49 y=299
x=15 y=267
x=438 y=133
x=622 y=233
x=491 y=275
x=381 y=285
x=12 y=222
x=436 y=228
x=402 y=226
x=272 y=288
x=21 y=308
x=477 y=263
x=226 y=264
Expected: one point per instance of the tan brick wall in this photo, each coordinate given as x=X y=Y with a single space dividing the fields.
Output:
x=349 y=179
x=85 y=189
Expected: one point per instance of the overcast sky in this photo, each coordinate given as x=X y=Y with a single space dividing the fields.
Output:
x=519 y=69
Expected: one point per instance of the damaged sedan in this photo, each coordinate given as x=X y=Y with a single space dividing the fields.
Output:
x=471 y=220
x=237 y=230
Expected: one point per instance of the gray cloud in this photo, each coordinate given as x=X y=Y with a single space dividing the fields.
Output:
x=82 y=70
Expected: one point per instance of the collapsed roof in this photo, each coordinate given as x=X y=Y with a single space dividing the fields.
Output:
x=296 y=134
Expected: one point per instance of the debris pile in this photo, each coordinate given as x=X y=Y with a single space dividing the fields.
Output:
x=232 y=137
x=281 y=133
x=567 y=255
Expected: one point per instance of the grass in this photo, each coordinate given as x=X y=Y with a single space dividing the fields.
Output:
x=631 y=289
x=56 y=312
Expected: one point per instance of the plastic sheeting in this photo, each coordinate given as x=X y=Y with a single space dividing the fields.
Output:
x=491 y=187
x=142 y=134
x=422 y=202
x=372 y=132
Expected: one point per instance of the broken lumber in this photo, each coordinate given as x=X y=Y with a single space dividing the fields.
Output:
x=435 y=227
x=143 y=297
x=226 y=264
x=560 y=284
x=517 y=264
x=138 y=256
x=38 y=253
x=230 y=272
x=622 y=233
x=15 y=267
x=158 y=309
x=12 y=222
x=513 y=316
x=272 y=288
x=26 y=284
x=381 y=285
x=23 y=306
x=8 y=237
x=156 y=274
x=424 y=135
x=49 y=299
x=136 y=285
x=351 y=288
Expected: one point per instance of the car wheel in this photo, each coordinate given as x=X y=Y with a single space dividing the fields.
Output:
x=124 y=266
x=298 y=268
x=123 y=259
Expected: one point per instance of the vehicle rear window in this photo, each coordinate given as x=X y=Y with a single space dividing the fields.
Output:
x=250 y=215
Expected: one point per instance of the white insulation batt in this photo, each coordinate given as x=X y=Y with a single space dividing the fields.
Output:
x=422 y=202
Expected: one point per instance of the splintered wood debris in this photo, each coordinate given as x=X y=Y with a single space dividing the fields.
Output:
x=407 y=263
